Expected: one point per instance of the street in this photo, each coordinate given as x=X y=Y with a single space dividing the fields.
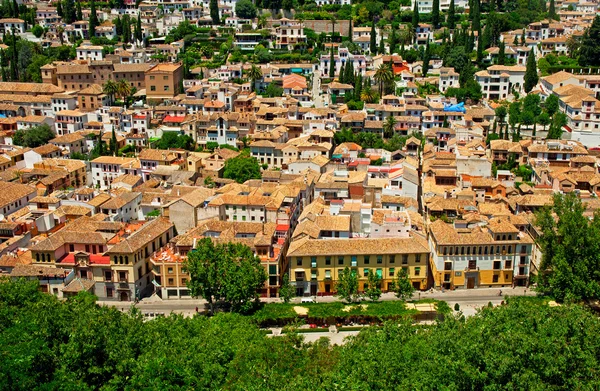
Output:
x=316 y=89
x=469 y=300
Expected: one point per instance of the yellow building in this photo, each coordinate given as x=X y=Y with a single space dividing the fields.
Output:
x=497 y=254
x=315 y=264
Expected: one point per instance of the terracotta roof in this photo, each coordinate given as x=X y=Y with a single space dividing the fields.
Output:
x=362 y=246
x=149 y=232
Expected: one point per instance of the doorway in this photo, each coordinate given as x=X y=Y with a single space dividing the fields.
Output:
x=123 y=296
x=470 y=283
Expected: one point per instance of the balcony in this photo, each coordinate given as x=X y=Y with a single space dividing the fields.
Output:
x=472 y=269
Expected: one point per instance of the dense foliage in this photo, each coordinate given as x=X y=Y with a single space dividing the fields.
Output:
x=569 y=241
x=33 y=137
x=241 y=168
x=47 y=344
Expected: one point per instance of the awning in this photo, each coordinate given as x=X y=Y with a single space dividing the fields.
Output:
x=298 y=270
x=156 y=284
x=379 y=273
x=328 y=274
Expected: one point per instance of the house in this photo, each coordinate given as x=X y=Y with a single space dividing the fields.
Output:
x=189 y=209
x=289 y=34
x=70 y=143
x=163 y=81
x=14 y=196
x=106 y=168
x=493 y=255
x=70 y=121
x=12 y=26
x=90 y=52
x=315 y=264
x=124 y=207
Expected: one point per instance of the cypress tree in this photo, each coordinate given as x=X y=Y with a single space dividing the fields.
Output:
x=113 y=147
x=451 y=19
x=93 y=19
x=331 y=64
x=79 y=14
x=531 y=76
x=476 y=11
x=480 y=50
x=393 y=40
x=552 y=11
x=138 y=29
x=435 y=14
x=15 y=9
x=415 y=16
x=214 y=12
x=543 y=5
x=589 y=52
x=14 y=71
x=59 y=9
x=373 y=42
x=501 y=54
x=381 y=46
x=358 y=85
x=516 y=40
x=523 y=38
x=426 y=58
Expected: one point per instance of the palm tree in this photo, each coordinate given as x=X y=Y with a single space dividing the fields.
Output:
x=111 y=89
x=59 y=31
x=124 y=89
x=389 y=126
x=254 y=74
x=367 y=95
x=383 y=75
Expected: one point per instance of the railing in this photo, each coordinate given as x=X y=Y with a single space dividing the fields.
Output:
x=472 y=269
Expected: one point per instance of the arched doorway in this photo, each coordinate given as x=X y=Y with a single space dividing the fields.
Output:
x=123 y=296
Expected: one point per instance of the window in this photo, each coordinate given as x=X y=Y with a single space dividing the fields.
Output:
x=298 y=261
x=272 y=269
x=110 y=292
x=392 y=259
x=107 y=275
x=171 y=281
x=353 y=259
x=313 y=261
x=327 y=261
x=166 y=88
x=170 y=270
x=366 y=272
x=497 y=265
x=152 y=88
x=379 y=259
x=367 y=259
x=123 y=276
x=71 y=248
x=165 y=77
x=508 y=264
x=417 y=271
x=495 y=278
x=418 y=258
x=340 y=260
x=404 y=259
x=392 y=271
x=183 y=281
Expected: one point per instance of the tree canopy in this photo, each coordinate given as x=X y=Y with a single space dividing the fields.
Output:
x=33 y=137
x=226 y=273
x=241 y=168
x=570 y=268
x=46 y=343
x=174 y=140
x=245 y=9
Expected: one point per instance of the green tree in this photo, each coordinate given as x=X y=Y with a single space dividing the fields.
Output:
x=373 y=42
x=241 y=168
x=389 y=127
x=111 y=89
x=37 y=30
x=373 y=288
x=254 y=74
x=245 y=9
x=501 y=54
x=451 y=17
x=426 y=58
x=552 y=11
x=214 y=11
x=331 y=64
x=551 y=104
x=544 y=120
x=226 y=272
x=531 y=75
x=476 y=15
x=33 y=137
x=559 y=120
x=347 y=285
x=286 y=291
x=589 y=51
x=79 y=14
x=70 y=14
x=113 y=146
x=571 y=250
x=383 y=75
x=124 y=89
x=435 y=14
x=415 y=17
x=273 y=90
x=139 y=35
x=402 y=286
x=514 y=112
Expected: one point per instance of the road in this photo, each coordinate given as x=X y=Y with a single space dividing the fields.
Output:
x=316 y=89
x=469 y=300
